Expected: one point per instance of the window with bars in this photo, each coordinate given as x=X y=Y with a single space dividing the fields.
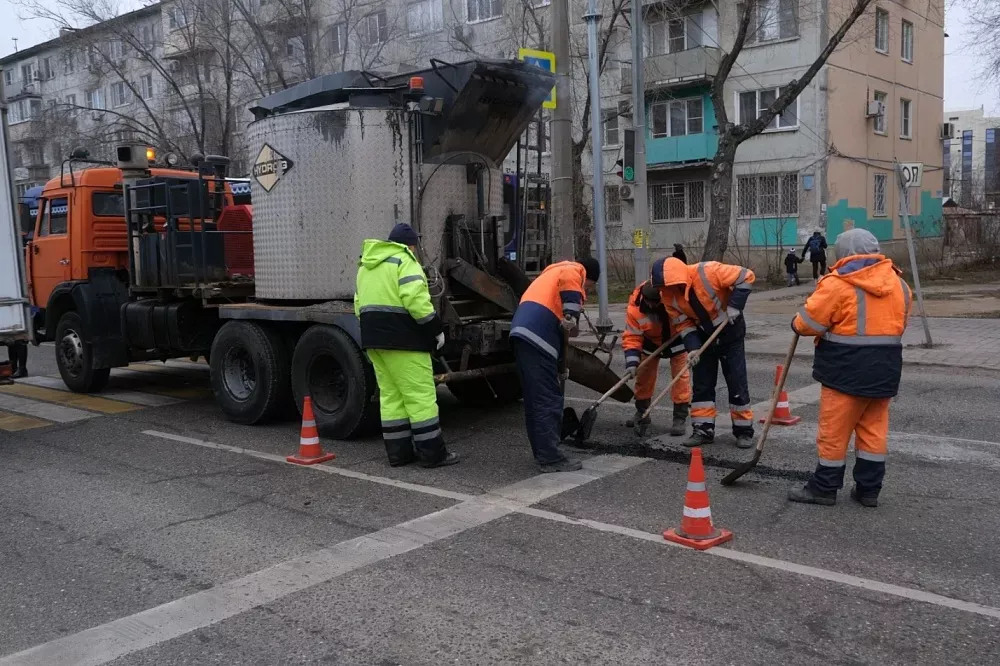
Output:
x=752 y=104
x=879 y=195
x=879 y=124
x=767 y=195
x=612 y=205
x=676 y=202
x=483 y=10
x=881 y=31
x=677 y=117
x=773 y=19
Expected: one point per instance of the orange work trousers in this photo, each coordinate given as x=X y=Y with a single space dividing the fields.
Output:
x=645 y=380
x=840 y=416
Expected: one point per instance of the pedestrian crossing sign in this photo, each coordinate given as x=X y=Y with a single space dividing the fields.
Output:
x=545 y=60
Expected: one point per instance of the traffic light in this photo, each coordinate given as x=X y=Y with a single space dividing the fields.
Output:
x=628 y=157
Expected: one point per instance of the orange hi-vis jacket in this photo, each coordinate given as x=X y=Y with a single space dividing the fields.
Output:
x=716 y=286
x=646 y=328
x=858 y=314
x=558 y=292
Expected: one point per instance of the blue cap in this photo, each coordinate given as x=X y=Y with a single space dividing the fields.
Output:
x=404 y=234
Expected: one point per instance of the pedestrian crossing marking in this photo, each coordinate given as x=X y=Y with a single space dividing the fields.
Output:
x=16 y=422
x=193 y=370
x=43 y=410
x=124 y=395
x=88 y=402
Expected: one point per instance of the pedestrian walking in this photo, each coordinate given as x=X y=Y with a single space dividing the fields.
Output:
x=858 y=314
x=549 y=314
x=816 y=247
x=792 y=262
x=647 y=326
x=697 y=299
x=399 y=330
x=679 y=253
x=17 y=352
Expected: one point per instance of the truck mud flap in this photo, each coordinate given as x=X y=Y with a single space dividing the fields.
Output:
x=588 y=370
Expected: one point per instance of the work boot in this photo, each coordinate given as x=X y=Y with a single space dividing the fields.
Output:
x=744 y=440
x=567 y=465
x=640 y=407
x=870 y=501
x=400 y=452
x=449 y=459
x=806 y=495
x=20 y=372
x=698 y=438
x=679 y=424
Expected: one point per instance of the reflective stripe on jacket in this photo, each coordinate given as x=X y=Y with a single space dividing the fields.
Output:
x=558 y=292
x=392 y=300
x=644 y=330
x=716 y=286
x=858 y=314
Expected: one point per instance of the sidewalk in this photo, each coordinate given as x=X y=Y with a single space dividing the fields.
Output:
x=958 y=342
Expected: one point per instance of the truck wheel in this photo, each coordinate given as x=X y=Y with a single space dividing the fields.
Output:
x=329 y=367
x=249 y=370
x=478 y=393
x=74 y=356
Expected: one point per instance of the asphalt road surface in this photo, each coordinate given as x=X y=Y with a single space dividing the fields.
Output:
x=141 y=528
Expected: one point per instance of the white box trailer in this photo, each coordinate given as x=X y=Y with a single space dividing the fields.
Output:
x=15 y=311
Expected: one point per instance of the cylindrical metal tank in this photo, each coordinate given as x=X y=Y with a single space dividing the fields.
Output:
x=324 y=180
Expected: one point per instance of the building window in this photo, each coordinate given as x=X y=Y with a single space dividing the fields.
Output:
x=119 y=94
x=879 y=195
x=376 y=28
x=670 y=35
x=24 y=109
x=773 y=19
x=69 y=62
x=905 y=119
x=677 y=118
x=881 y=31
x=483 y=10
x=754 y=103
x=8 y=77
x=338 y=38
x=146 y=86
x=48 y=71
x=293 y=47
x=116 y=51
x=95 y=99
x=675 y=202
x=768 y=195
x=612 y=129
x=71 y=104
x=28 y=73
x=612 y=205
x=879 y=124
x=424 y=17
x=906 y=49
x=177 y=19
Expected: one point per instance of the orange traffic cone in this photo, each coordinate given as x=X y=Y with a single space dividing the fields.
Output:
x=696 y=530
x=782 y=412
x=310 y=451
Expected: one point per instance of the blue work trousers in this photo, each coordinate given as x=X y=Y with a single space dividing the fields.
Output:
x=543 y=400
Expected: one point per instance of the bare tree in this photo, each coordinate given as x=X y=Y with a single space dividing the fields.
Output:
x=983 y=21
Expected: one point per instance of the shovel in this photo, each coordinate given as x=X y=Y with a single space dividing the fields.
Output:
x=590 y=414
x=731 y=478
x=640 y=425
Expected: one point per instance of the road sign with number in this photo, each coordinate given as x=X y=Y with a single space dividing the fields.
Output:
x=544 y=60
x=912 y=173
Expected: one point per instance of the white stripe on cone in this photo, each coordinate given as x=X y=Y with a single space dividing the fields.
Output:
x=697 y=513
x=308 y=424
x=308 y=440
x=696 y=485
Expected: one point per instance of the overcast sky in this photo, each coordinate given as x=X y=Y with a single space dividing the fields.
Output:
x=963 y=87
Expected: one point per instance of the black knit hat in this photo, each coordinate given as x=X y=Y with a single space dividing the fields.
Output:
x=593 y=268
x=404 y=234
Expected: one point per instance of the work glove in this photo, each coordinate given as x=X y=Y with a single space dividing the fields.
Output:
x=630 y=371
x=570 y=327
x=440 y=340
x=733 y=313
x=693 y=357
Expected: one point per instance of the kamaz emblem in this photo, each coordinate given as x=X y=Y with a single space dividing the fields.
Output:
x=269 y=167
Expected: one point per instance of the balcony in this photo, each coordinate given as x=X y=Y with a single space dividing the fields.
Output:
x=683 y=68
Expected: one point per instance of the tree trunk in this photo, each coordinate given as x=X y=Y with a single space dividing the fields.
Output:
x=582 y=219
x=717 y=240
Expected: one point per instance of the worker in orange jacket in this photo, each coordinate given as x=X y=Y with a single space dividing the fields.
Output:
x=699 y=298
x=647 y=326
x=548 y=314
x=858 y=314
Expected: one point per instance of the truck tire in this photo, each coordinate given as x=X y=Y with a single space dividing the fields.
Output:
x=329 y=366
x=74 y=356
x=249 y=371
x=479 y=393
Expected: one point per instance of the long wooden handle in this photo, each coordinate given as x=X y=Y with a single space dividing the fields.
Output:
x=673 y=381
x=779 y=387
x=621 y=382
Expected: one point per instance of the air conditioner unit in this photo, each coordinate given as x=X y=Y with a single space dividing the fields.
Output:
x=875 y=108
x=625 y=192
x=947 y=130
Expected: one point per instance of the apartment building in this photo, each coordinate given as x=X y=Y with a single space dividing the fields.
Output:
x=971 y=159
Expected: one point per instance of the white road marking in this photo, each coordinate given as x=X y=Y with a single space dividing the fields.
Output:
x=43 y=410
x=121 y=637
x=134 y=397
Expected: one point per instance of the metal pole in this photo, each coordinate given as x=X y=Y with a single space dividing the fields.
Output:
x=904 y=213
x=561 y=177
x=640 y=192
x=593 y=18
